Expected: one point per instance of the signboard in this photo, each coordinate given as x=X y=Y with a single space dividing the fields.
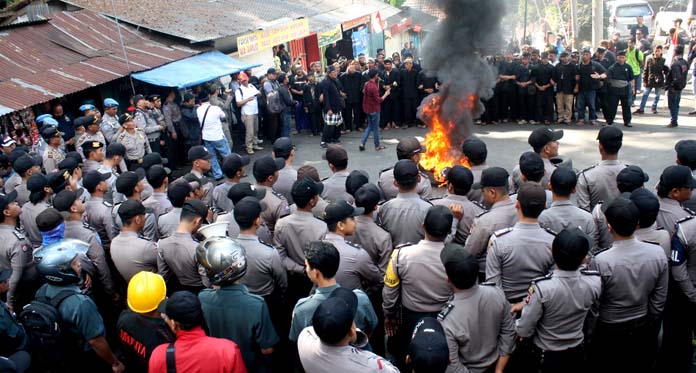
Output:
x=356 y=22
x=361 y=42
x=265 y=39
x=331 y=36
x=402 y=26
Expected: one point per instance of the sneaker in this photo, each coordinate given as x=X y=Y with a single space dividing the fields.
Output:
x=256 y=147
x=639 y=111
x=250 y=151
x=258 y=141
x=380 y=147
x=533 y=122
x=361 y=147
x=323 y=145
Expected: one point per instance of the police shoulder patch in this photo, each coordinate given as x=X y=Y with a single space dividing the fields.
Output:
x=107 y=204
x=326 y=178
x=435 y=199
x=588 y=168
x=355 y=245
x=550 y=231
x=651 y=242
x=479 y=204
x=661 y=228
x=445 y=311
x=684 y=219
x=385 y=170
x=277 y=194
x=267 y=244
x=86 y=225
x=589 y=272
x=688 y=210
x=482 y=213
x=403 y=245
x=487 y=283
x=599 y=251
x=502 y=232
x=18 y=234
x=543 y=278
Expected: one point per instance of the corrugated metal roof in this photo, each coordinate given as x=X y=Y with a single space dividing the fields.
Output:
x=205 y=20
x=72 y=52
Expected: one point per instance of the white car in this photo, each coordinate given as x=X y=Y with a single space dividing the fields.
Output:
x=683 y=9
x=623 y=14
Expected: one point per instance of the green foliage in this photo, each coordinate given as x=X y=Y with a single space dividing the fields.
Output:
x=397 y=3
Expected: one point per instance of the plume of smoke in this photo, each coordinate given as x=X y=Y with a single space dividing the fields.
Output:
x=453 y=52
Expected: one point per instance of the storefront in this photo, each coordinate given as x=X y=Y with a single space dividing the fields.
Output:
x=398 y=34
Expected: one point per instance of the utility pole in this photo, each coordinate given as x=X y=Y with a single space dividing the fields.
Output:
x=574 y=22
x=524 y=35
x=597 y=22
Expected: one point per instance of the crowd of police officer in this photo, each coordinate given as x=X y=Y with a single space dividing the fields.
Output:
x=544 y=269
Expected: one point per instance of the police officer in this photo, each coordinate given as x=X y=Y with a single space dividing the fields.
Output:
x=356 y=271
x=38 y=201
x=311 y=172
x=176 y=254
x=91 y=134
x=415 y=280
x=403 y=216
x=25 y=166
x=476 y=153
x=93 y=152
x=634 y=282
x=230 y=310
x=234 y=169
x=283 y=148
x=145 y=122
x=335 y=185
x=200 y=157
x=355 y=180
x=15 y=253
x=236 y=194
x=459 y=181
x=518 y=254
x=109 y=124
x=374 y=239
x=129 y=251
x=178 y=193
x=59 y=265
x=141 y=327
x=14 y=179
x=53 y=154
x=130 y=184
x=266 y=174
x=97 y=210
x=558 y=304
x=68 y=201
x=620 y=89
x=113 y=160
x=563 y=213
x=134 y=140
x=157 y=177
x=676 y=184
x=477 y=321
x=649 y=207
x=598 y=183
x=502 y=214
x=544 y=141
x=154 y=135
x=686 y=156
x=408 y=148
x=150 y=160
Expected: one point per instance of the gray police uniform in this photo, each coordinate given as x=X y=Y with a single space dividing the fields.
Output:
x=276 y=208
x=132 y=254
x=150 y=231
x=671 y=211
x=471 y=209
x=84 y=232
x=598 y=183
x=356 y=269
x=476 y=194
x=169 y=222
x=286 y=177
x=389 y=190
x=604 y=238
x=176 y=255
x=516 y=256
x=516 y=177
x=159 y=203
x=28 y=219
x=109 y=127
x=207 y=186
x=90 y=165
x=564 y=214
x=265 y=272
x=683 y=258
x=88 y=137
x=111 y=195
x=12 y=182
x=403 y=217
x=51 y=157
x=375 y=240
x=292 y=233
x=317 y=211
x=136 y=145
x=501 y=215
x=153 y=131
x=233 y=228
x=335 y=188
x=634 y=279
x=479 y=328
x=220 y=201
x=98 y=215
x=556 y=308
x=655 y=235
x=22 y=193
x=15 y=253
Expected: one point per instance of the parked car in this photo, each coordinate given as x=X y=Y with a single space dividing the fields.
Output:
x=683 y=9
x=623 y=14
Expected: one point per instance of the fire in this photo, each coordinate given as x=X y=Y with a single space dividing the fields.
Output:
x=440 y=152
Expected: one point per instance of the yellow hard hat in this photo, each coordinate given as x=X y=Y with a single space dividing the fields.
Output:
x=146 y=290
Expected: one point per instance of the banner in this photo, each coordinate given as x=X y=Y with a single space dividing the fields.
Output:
x=377 y=23
x=265 y=39
x=361 y=43
x=331 y=36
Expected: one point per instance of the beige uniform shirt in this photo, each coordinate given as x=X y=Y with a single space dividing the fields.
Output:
x=276 y=208
x=132 y=254
x=598 y=183
x=389 y=190
x=292 y=233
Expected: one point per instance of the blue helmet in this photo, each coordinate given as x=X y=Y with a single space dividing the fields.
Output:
x=42 y=117
x=54 y=261
x=50 y=122
x=110 y=102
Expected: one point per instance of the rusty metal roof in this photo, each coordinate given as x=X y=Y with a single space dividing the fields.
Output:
x=72 y=52
x=205 y=20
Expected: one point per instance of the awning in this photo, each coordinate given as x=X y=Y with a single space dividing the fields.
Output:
x=194 y=70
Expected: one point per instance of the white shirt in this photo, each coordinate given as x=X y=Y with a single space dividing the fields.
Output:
x=319 y=357
x=243 y=93
x=212 y=128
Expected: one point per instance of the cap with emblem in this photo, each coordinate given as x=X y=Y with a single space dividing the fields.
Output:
x=267 y=166
x=110 y=102
x=428 y=351
x=460 y=178
x=409 y=146
x=127 y=181
x=340 y=210
x=65 y=199
x=197 y=207
x=306 y=189
x=6 y=199
x=492 y=177
x=115 y=149
x=648 y=205
x=247 y=210
x=233 y=163
x=282 y=147
x=335 y=155
x=677 y=177
x=152 y=159
x=92 y=145
x=355 y=180
x=610 y=135
x=475 y=149
x=125 y=118
x=58 y=180
x=631 y=178
x=137 y=99
x=542 y=136
x=50 y=132
x=405 y=170
x=438 y=221
x=24 y=164
x=333 y=319
x=154 y=97
x=48 y=219
x=130 y=208
x=367 y=197
x=198 y=152
x=91 y=179
x=241 y=190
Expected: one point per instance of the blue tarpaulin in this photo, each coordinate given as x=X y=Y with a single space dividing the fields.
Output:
x=194 y=70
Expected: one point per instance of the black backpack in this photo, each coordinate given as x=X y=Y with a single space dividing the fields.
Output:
x=41 y=321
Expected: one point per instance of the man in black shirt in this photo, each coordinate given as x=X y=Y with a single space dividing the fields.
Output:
x=409 y=92
x=619 y=88
x=507 y=89
x=541 y=75
x=352 y=84
x=297 y=86
x=331 y=105
x=565 y=77
x=602 y=58
x=331 y=54
x=390 y=106
x=590 y=73
x=675 y=83
x=526 y=91
x=639 y=27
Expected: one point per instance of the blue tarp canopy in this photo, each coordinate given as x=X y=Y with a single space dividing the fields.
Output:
x=194 y=70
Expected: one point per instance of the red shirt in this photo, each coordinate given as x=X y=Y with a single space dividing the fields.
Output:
x=371 y=98
x=197 y=353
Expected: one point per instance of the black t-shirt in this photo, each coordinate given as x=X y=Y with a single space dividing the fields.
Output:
x=542 y=73
x=585 y=71
x=298 y=84
x=139 y=335
x=564 y=76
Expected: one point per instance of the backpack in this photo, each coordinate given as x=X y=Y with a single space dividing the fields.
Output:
x=274 y=103
x=41 y=321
